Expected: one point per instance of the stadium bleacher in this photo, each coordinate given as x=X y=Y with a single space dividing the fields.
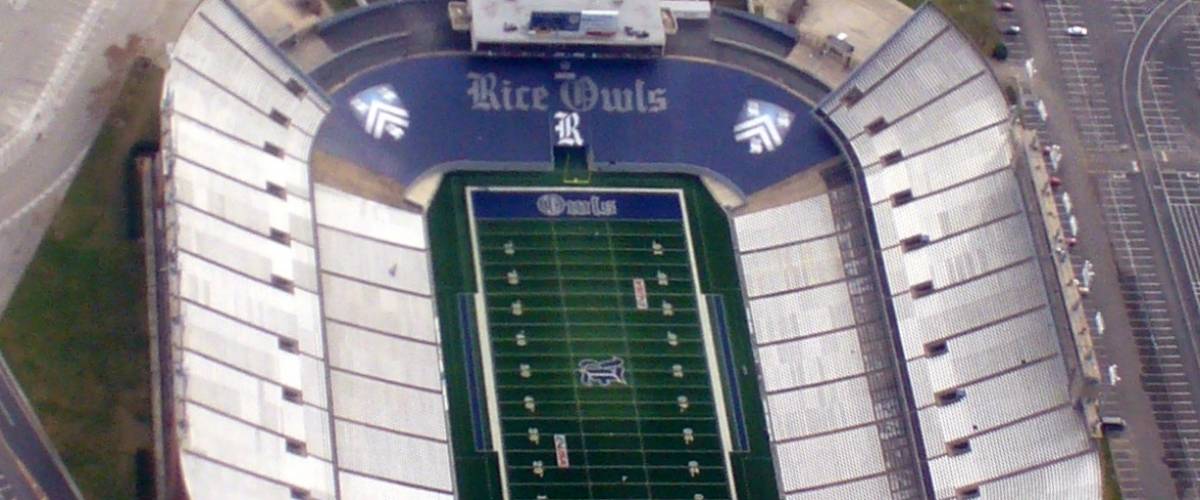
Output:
x=255 y=374
x=961 y=266
x=308 y=358
x=825 y=375
x=388 y=400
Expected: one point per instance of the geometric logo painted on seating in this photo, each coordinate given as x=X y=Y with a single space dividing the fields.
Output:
x=381 y=112
x=763 y=125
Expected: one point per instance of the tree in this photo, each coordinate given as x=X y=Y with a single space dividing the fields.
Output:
x=1000 y=51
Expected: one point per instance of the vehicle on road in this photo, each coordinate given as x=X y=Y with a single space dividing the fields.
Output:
x=1076 y=31
x=1011 y=30
x=1005 y=6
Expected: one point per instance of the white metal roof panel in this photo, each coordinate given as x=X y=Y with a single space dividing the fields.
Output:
x=368 y=218
x=374 y=261
x=388 y=406
x=239 y=345
x=806 y=219
x=379 y=309
x=252 y=301
x=208 y=480
x=812 y=360
x=394 y=457
x=238 y=445
x=796 y=314
x=872 y=487
x=830 y=458
x=790 y=267
x=1029 y=443
x=388 y=358
x=823 y=408
x=361 y=487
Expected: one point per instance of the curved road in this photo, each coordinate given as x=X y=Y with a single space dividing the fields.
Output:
x=1133 y=70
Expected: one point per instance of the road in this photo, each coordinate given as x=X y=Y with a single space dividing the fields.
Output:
x=1116 y=96
x=26 y=460
x=17 y=487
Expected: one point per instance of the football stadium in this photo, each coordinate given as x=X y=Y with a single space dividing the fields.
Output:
x=607 y=249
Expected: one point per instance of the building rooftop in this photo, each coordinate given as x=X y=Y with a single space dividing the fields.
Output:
x=567 y=22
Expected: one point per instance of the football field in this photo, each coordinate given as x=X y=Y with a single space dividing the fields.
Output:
x=599 y=363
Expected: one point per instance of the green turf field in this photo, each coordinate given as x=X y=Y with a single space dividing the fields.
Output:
x=574 y=280
x=560 y=298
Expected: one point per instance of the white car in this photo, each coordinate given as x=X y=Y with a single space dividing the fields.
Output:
x=1076 y=31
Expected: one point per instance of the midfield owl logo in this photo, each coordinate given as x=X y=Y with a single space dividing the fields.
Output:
x=602 y=373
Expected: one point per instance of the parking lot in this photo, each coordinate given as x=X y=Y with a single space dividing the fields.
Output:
x=1018 y=50
x=1165 y=128
x=1163 y=375
x=1192 y=39
x=1127 y=15
x=1182 y=191
x=1084 y=88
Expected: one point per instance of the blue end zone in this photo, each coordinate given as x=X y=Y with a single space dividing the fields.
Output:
x=419 y=115
x=466 y=321
x=567 y=205
x=716 y=306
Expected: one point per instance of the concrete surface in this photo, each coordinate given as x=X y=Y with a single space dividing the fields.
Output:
x=278 y=19
x=867 y=23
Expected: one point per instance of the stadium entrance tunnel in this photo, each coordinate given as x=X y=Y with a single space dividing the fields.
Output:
x=412 y=120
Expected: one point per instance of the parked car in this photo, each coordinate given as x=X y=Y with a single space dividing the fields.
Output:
x=1076 y=31
x=1011 y=30
x=1005 y=6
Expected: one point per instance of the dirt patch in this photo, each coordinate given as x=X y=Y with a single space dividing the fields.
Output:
x=120 y=60
x=806 y=184
x=352 y=178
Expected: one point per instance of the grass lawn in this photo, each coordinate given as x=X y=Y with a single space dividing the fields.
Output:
x=75 y=332
x=976 y=18
x=340 y=5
